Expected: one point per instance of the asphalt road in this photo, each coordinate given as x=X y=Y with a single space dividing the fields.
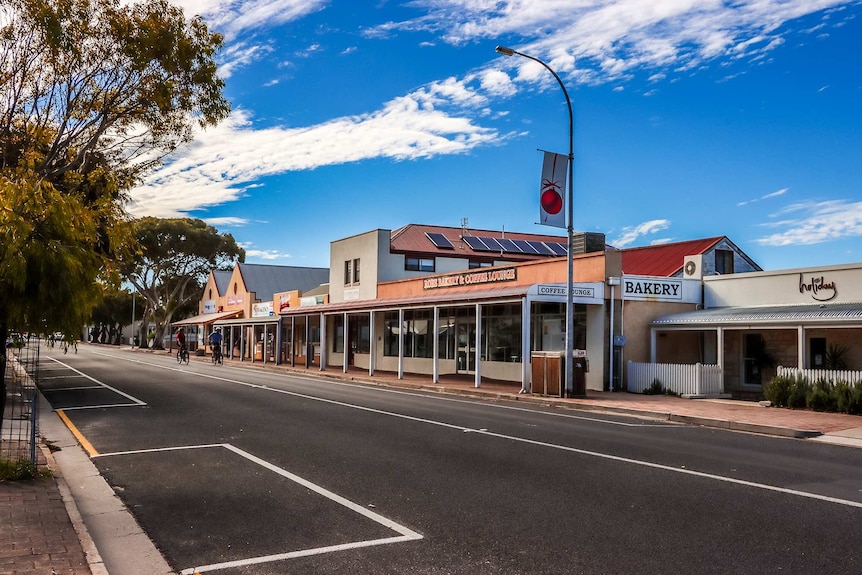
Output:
x=241 y=471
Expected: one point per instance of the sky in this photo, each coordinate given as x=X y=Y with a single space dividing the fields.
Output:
x=692 y=119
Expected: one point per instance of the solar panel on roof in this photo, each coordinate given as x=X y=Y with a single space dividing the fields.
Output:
x=440 y=241
x=542 y=248
x=493 y=244
x=558 y=249
x=475 y=243
x=525 y=247
x=508 y=246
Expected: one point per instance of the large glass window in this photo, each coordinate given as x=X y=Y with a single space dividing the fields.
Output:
x=548 y=327
x=416 y=333
x=501 y=333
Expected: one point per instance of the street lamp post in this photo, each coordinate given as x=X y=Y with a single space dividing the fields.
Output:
x=570 y=308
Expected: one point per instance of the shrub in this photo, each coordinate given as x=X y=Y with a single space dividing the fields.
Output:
x=797 y=398
x=822 y=397
x=854 y=402
x=655 y=388
x=777 y=391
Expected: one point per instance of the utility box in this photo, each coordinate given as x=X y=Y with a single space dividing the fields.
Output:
x=580 y=367
x=548 y=372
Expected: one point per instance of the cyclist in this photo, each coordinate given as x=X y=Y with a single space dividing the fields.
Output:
x=215 y=343
x=183 y=353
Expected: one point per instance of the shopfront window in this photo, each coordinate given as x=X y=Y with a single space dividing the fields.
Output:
x=416 y=333
x=501 y=333
x=548 y=327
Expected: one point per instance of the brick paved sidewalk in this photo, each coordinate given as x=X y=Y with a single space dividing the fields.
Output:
x=36 y=533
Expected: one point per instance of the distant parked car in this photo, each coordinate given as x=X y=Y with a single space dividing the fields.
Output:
x=14 y=339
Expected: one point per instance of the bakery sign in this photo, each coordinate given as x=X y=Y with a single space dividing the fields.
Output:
x=471 y=278
x=819 y=288
x=654 y=289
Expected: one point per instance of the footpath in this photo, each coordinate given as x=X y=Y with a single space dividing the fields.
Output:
x=74 y=524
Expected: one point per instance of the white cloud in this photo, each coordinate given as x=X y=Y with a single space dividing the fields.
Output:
x=232 y=17
x=223 y=162
x=227 y=222
x=807 y=223
x=775 y=194
x=630 y=234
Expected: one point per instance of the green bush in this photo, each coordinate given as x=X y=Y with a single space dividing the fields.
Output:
x=822 y=397
x=777 y=391
x=797 y=397
x=854 y=402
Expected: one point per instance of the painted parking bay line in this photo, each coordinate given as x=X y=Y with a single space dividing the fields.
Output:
x=404 y=534
x=135 y=401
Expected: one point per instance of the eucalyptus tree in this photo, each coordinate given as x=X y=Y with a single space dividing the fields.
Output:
x=93 y=94
x=171 y=267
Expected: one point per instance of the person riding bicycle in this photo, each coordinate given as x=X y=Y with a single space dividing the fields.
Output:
x=215 y=340
x=181 y=338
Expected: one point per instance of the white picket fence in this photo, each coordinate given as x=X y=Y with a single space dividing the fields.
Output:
x=830 y=375
x=683 y=379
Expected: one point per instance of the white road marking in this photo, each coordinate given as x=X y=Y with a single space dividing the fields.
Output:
x=763 y=486
x=136 y=402
x=404 y=533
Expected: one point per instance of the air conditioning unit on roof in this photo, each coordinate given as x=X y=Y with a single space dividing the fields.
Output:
x=692 y=268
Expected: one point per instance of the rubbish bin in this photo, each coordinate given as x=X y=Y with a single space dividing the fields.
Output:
x=580 y=366
x=547 y=373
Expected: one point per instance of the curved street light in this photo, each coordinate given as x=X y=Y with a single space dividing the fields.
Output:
x=570 y=308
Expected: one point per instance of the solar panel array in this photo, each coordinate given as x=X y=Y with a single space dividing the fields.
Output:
x=507 y=246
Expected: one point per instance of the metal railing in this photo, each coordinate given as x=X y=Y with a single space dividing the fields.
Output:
x=20 y=421
x=683 y=379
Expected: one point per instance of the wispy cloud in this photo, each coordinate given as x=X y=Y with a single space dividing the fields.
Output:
x=586 y=41
x=776 y=194
x=807 y=223
x=630 y=234
x=223 y=161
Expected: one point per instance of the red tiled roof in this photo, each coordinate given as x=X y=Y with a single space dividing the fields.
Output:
x=663 y=260
x=412 y=239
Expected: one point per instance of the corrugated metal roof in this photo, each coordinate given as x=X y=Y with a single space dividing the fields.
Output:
x=265 y=280
x=663 y=260
x=222 y=280
x=839 y=313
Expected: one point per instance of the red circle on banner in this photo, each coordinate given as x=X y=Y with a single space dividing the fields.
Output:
x=552 y=202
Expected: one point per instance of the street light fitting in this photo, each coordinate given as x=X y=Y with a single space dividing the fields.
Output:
x=505 y=51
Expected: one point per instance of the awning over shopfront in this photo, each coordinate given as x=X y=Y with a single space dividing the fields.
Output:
x=207 y=318
x=823 y=314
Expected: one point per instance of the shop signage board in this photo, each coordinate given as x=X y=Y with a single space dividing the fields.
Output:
x=584 y=293
x=209 y=306
x=647 y=288
x=477 y=277
x=261 y=309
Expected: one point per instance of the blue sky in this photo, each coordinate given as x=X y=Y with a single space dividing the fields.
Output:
x=693 y=119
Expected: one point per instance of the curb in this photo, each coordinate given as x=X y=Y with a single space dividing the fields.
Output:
x=94 y=559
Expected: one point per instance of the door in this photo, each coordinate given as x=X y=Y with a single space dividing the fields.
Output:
x=817 y=359
x=465 y=329
x=752 y=350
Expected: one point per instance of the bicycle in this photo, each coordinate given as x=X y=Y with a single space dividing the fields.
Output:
x=217 y=356
x=183 y=355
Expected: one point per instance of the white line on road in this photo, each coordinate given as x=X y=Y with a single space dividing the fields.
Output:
x=606 y=456
x=405 y=534
x=137 y=402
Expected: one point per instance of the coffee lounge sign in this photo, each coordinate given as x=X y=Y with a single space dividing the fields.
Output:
x=819 y=288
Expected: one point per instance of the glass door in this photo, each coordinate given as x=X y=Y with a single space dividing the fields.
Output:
x=465 y=328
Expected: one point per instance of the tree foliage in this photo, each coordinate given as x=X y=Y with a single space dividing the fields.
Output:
x=175 y=258
x=93 y=93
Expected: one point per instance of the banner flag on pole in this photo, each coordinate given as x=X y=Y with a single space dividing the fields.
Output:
x=552 y=191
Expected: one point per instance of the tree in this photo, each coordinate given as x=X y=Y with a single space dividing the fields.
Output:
x=93 y=93
x=113 y=311
x=176 y=256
